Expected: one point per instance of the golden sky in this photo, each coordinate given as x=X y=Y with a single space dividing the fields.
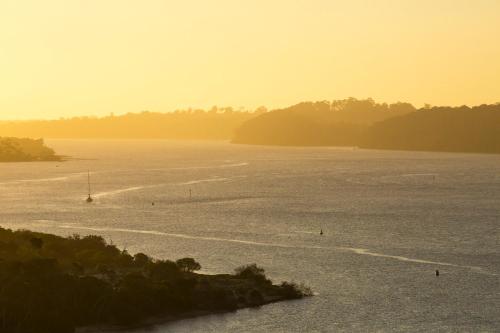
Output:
x=76 y=57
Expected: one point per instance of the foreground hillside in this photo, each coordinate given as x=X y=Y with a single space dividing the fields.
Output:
x=25 y=150
x=51 y=284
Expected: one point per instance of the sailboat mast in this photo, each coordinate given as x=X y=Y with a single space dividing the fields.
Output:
x=88 y=180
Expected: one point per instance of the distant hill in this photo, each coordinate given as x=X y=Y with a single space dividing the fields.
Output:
x=25 y=150
x=337 y=123
x=460 y=129
x=367 y=124
x=215 y=124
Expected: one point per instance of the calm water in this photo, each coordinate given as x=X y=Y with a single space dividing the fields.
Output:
x=390 y=220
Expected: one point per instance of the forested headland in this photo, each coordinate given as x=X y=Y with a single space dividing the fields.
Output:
x=348 y=122
x=25 y=150
x=52 y=284
x=366 y=124
x=337 y=123
x=447 y=129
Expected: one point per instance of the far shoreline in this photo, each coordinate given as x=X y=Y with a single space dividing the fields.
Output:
x=242 y=144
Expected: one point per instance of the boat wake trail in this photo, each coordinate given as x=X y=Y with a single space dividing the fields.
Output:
x=53 y=179
x=184 y=236
x=215 y=179
x=400 y=258
x=234 y=165
x=137 y=188
x=43 y=180
x=358 y=251
x=222 y=166
x=305 y=232
x=123 y=190
x=418 y=261
x=115 y=192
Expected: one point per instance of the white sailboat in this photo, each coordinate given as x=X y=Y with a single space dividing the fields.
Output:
x=89 y=198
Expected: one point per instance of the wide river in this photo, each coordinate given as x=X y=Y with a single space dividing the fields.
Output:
x=390 y=219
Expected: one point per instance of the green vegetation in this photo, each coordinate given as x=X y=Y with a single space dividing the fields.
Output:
x=349 y=122
x=214 y=124
x=51 y=284
x=25 y=150
x=461 y=129
x=337 y=123
x=368 y=124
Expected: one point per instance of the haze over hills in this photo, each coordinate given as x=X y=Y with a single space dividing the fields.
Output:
x=136 y=132
x=283 y=126
x=336 y=123
x=368 y=124
x=460 y=129
x=348 y=122
x=214 y=124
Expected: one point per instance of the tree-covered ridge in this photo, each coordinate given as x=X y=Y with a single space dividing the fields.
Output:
x=214 y=124
x=368 y=124
x=336 y=123
x=51 y=284
x=24 y=150
x=460 y=129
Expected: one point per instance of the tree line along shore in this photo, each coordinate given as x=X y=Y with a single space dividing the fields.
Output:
x=348 y=122
x=26 y=150
x=370 y=125
x=52 y=284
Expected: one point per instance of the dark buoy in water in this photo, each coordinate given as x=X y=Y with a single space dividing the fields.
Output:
x=437 y=272
x=321 y=232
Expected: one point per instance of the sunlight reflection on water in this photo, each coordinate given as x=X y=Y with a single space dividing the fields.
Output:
x=390 y=218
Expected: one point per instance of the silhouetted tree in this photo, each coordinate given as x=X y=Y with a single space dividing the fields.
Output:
x=141 y=260
x=253 y=272
x=81 y=281
x=188 y=265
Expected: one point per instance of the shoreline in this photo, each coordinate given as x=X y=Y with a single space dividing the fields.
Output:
x=166 y=319
x=84 y=284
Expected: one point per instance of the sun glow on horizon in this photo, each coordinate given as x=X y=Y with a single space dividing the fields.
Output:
x=63 y=58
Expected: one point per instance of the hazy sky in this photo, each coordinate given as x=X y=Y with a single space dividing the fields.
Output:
x=75 y=57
